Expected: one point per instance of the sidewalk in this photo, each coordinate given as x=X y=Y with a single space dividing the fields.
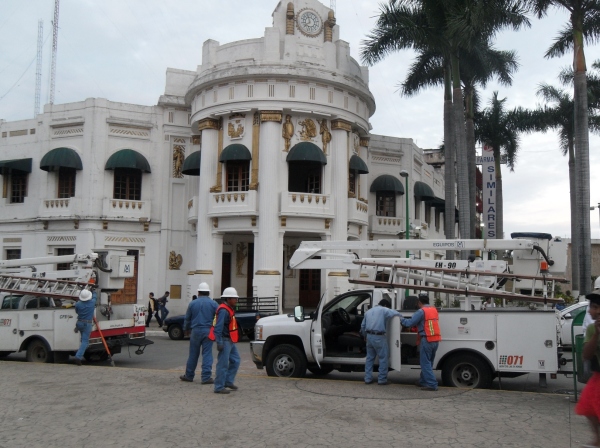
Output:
x=57 y=405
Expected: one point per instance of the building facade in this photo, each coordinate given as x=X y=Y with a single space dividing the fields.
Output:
x=266 y=145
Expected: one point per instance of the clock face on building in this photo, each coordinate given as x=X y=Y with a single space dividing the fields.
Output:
x=309 y=22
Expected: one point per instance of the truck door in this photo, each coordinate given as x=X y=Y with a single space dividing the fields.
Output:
x=393 y=337
x=316 y=334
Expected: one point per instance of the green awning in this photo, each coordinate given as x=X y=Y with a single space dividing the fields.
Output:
x=423 y=191
x=128 y=158
x=191 y=164
x=358 y=164
x=23 y=165
x=437 y=203
x=61 y=158
x=386 y=182
x=235 y=152
x=306 y=152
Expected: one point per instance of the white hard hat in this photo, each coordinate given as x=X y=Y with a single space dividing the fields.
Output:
x=229 y=292
x=85 y=295
x=203 y=287
x=597 y=283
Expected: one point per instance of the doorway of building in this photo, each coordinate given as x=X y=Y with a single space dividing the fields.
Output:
x=128 y=294
x=225 y=272
x=250 y=271
x=310 y=288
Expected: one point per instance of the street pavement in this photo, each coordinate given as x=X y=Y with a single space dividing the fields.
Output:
x=62 y=405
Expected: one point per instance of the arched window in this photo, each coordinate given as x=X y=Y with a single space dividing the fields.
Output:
x=305 y=167
x=237 y=160
x=386 y=188
x=128 y=166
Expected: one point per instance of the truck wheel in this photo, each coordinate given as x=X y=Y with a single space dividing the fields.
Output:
x=38 y=352
x=320 y=371
x=286 y=361
x=466 y=371
x=176 y=332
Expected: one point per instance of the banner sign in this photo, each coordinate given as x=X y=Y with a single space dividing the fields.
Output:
x=488 y=169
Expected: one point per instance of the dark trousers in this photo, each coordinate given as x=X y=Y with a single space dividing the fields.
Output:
x=156 y=315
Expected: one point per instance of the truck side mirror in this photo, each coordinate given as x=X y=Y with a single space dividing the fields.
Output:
x=299 y=313
x=567 y=316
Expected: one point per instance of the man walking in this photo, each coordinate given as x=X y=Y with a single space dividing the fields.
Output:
x=199 y=318
x=373 y=328
x=162 y=306
x=84 y=308
x=426 y=321
x=152 y=309
x=225 y=332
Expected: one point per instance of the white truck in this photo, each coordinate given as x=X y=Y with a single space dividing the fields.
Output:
x=37 y=313
x=477 y=345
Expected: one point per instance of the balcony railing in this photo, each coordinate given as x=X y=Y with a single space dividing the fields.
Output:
x=232 y=203
x=58 y=208
x=306 y=204
x=386 y=225
x=358 y=211
x=125 y=209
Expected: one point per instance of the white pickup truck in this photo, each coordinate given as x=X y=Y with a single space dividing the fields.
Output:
x=476 y=347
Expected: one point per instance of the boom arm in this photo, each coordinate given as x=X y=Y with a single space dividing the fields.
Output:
x=76 y=258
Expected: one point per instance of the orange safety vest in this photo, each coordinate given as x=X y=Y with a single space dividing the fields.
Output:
x=431 y=325
x=233 y=327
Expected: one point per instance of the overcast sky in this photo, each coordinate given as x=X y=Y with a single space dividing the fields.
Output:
x=120 y=49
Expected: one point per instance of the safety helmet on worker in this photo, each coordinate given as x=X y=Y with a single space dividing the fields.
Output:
x=203 y=287
x=85 y=295
x=230 y=293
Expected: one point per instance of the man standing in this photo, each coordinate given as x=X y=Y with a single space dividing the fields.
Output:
x=199 y=318
x=162 y=306
x=225 y=332
x=426 y=321
x=373 y=327
x=85 y=318
x=152 y=309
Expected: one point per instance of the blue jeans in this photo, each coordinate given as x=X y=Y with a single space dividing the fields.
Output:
x=228 y=363
x=427 y=357
x=377 y=346
x=164 y=312
x=199 y=341
x=84 y=329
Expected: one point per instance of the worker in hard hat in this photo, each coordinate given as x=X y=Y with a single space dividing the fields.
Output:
x=85 y=308
x=225 y=332
x=199 y=319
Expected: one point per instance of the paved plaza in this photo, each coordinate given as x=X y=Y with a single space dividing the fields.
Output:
x=55 y=405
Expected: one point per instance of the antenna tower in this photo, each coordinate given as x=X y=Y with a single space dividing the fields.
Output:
x=54 y=45
x=332 y=5
x=38 y=68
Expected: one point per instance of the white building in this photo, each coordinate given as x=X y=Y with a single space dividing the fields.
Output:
x=267 y=144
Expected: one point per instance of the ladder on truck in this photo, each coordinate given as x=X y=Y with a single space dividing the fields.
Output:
x=467 y=282
x=61 y=289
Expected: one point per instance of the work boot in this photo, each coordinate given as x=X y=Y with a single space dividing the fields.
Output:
x=185 y=378
x=77 y=361
x=429 y=389
x=231 y=386
x=222 y=391
x=208 y=381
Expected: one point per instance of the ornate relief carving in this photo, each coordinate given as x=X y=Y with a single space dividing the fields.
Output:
x=287 y=132
x=215 y=222
x=283 y=221
x=255 y=151
x=364 y=141
x=49 y=239
x=208 y=123
x=289 y=19
x=325 y=134
x=356 y=141
x=123 y=239
x=327 y=223
x=341 y=125
x=175 y=261
x=308 y=131
x=235 y=127
x=67 y=132
x=253 y=221
x=196 y=139
x=129 y=132
x=179 y=140
x=329 y=24
x=271 y=115
x=178 y=158
x=241 y=253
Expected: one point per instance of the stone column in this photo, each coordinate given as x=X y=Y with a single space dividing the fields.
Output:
x=268 y=241
x=337 y=281
x=207 y=265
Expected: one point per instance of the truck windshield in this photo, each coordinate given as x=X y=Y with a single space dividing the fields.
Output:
x=351 y=303
x=11 y=302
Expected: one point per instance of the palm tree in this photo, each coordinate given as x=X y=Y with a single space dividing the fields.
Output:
x=499 y=129
x=584 y=25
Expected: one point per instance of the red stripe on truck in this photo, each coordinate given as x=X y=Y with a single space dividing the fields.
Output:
x=118 y=331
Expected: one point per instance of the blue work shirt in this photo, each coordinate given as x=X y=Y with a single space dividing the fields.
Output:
x=376 y=319
x=200 y=314
x=85 y=310
x=222 y=325
x=417 y=319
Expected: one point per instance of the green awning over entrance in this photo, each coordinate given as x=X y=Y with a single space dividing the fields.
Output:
x=357 y=164
x=235 y=152
x=306 y=152
x=61 y=158
x=437 y=203
x=423 y=191
x=191 y=164
x=128 y=158
x=387 y=182
x=23 y=165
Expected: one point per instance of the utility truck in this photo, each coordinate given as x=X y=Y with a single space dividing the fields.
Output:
x=37 y=312
x=477 y=344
